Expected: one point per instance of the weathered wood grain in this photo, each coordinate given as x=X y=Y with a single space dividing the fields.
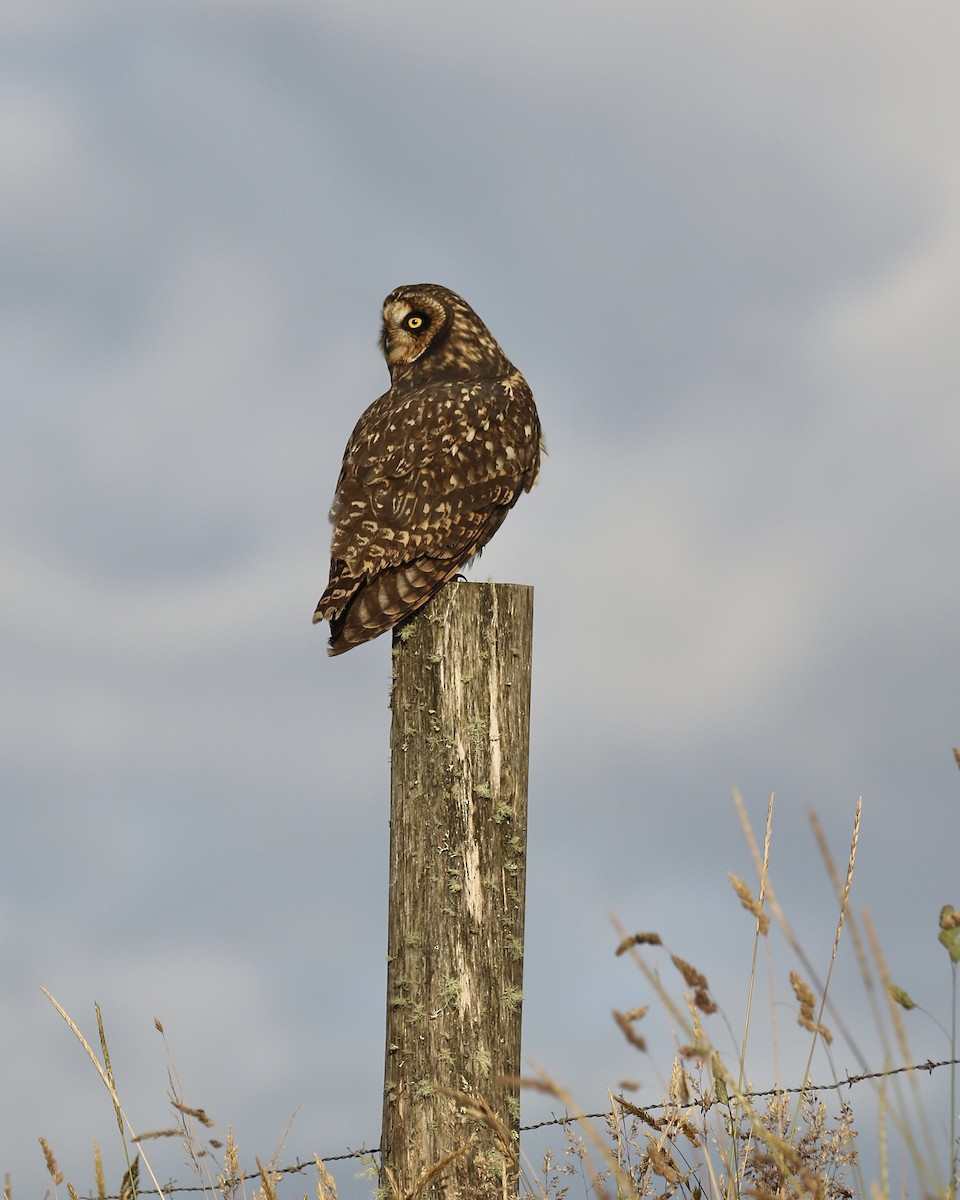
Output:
x=458 y=821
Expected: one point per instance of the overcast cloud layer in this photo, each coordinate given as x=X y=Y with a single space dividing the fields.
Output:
x=723 y=244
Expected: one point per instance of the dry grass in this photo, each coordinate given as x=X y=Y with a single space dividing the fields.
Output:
x=711 y=1137
x=214 y=1158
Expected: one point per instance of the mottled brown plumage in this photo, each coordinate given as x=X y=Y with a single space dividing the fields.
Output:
x=431 y=469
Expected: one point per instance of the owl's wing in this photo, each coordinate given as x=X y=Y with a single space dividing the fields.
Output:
x=425 y=484
x=424 y=477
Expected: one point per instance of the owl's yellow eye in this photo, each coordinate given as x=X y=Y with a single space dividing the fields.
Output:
x=414 y=322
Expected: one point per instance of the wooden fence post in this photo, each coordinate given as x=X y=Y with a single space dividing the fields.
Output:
x=458 y=828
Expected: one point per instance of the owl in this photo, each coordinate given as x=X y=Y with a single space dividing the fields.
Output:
x=431 y=469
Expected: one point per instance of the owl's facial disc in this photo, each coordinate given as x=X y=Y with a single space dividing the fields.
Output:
x=407 y=331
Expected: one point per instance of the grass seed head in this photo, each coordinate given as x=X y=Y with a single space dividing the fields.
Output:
x=638 y=939
x=48 y=1156
x=750 y=903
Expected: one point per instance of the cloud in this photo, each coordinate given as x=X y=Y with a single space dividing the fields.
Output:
x=722 y=248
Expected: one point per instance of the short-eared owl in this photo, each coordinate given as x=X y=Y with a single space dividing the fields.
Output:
x=431 y=469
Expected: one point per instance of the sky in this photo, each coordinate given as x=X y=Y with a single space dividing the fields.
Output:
x=723 y=245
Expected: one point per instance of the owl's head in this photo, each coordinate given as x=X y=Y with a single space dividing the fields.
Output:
x=430 y=326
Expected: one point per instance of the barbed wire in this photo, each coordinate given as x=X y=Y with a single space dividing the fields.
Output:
x=295 y=1168
x=929 y=1066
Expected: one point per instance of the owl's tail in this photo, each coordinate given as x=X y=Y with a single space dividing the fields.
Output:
x=359 y=610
